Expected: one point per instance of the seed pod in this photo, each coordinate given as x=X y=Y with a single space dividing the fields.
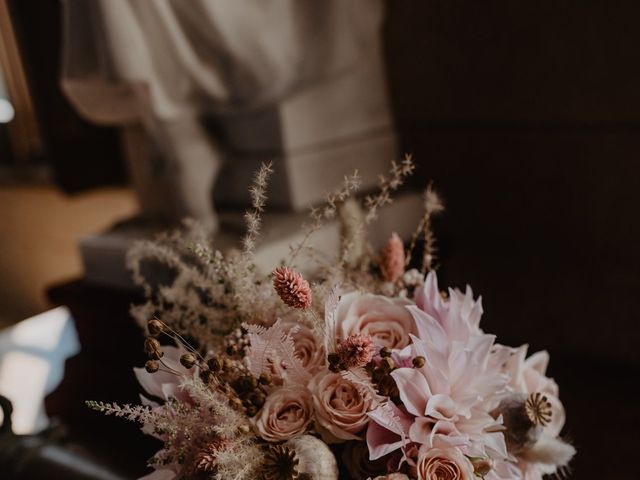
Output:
x=418 y=362
x=251 y=411
x=215 y=364
x=333 y=358
x=387 y=363
x=206 y=376
x=257 y=399
x=151 y=366
x=265 y=379
x=481 y=466
x=188 y=360
x=227 y=365
x=155 y=327
x=152 y=348
x=315 y=459
x=520 y=431
x=232 y=350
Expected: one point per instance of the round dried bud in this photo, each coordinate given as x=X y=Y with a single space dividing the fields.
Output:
x=227 y=365
x=232 y=350
x=152 y=348
x=257 y=399
x=482 y=466
x=251 y=411
x=215 y=364
x=244 y=429
x=333 y=358
x=387 y=363
x=247 y=383
x=335 y=367
x=188 y=360
x=235 y=402
x=387 y=387
x=151 y=366
x=155 y=327
x=206 y=376
x=385 y=352
x=265 y=379
x=418 y=362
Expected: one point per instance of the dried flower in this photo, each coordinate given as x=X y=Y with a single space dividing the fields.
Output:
x=393 y=259
x=155 y=327
x=292 y=288
x=418 y=362
x=356 y=351
x=152 y=348
x=538 y=409
x=151 y=366
x=215 y=364
x=481 y=466
x=280 y=463
x=188 y=360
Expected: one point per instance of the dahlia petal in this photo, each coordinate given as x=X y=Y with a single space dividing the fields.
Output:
x=428 y=327
x=414 y=389
x=440 y=407
x=381 y=441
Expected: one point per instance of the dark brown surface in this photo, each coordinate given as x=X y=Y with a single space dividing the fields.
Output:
x=82 y=155
x=103 y=371
x=527 y=117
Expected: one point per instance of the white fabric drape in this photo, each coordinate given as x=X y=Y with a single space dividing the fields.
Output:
x=125 y=59
x=162 y=64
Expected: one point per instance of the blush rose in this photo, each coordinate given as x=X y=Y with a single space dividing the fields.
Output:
x=444 y=464
x=287 y=412
x=339 y=407
x=386 y=320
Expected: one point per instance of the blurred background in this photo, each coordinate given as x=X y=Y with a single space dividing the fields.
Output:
x=117 y=118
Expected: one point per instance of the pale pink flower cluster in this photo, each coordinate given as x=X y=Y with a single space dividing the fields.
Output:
x=445 y=425
x=451 y=378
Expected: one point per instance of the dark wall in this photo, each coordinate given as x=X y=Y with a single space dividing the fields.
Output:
x=527 y=117
x=82 y=155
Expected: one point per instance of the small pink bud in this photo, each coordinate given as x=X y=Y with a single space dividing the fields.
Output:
x=393 y=258
x=292 y=288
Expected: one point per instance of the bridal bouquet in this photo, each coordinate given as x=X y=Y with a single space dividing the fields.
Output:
x=364 y=369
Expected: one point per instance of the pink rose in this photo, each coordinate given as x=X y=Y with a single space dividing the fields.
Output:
x=340 y=408
x=286 y=413
x=386 y=320
x=443 y=464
